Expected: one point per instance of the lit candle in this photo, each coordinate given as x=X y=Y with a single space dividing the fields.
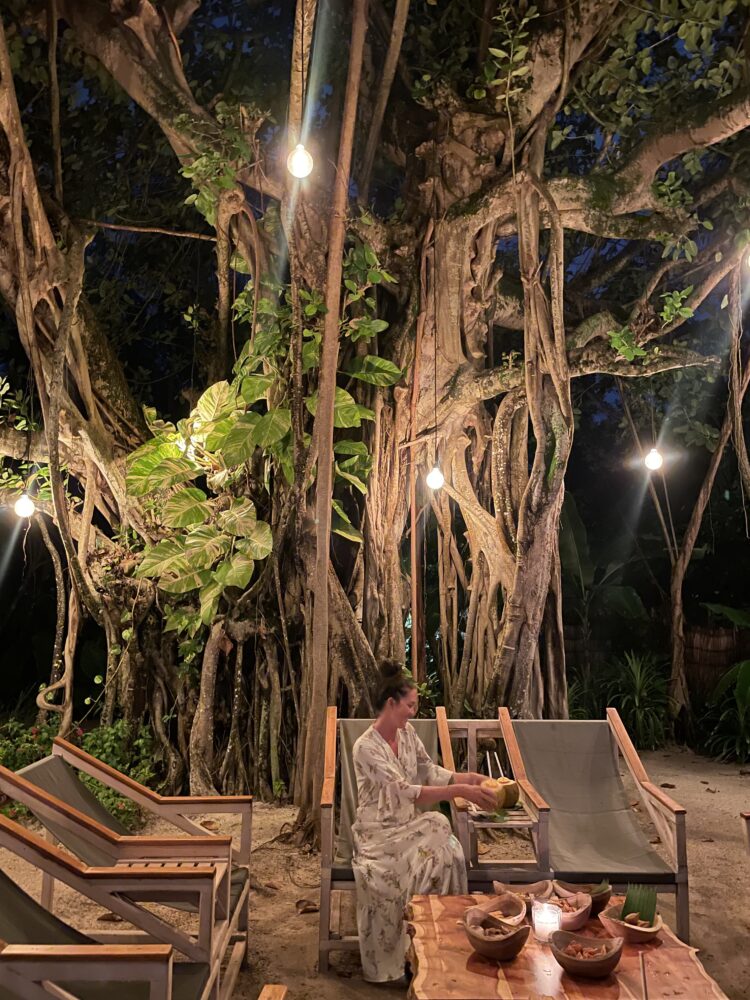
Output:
x=546 y=919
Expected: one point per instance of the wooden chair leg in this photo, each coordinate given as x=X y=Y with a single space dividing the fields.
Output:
x=324 y=933
x=682 y=905
x=243 y=925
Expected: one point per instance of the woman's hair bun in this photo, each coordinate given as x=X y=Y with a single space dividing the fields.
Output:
x=390 y=669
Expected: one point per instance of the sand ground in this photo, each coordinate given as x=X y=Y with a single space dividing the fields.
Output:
x=284 y=943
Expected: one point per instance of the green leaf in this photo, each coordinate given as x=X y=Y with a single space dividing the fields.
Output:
x=240 y=570
x=272 y=427
x=575 y=555
x=257 y=543
x=640 y=899
x=736 y=616
x=348 y=447
x=216 y=402
x=209 y=598
x=375 y=370
x=240 y=519
x=189 y=506
x=346 y=411
x=349 y=477
x=254 y=387
x=238 y=444
x=238 y=263
x=341 y=525
x=157 y=465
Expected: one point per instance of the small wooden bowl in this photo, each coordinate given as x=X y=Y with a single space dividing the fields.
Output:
x=508 y=907
x=575 y=920
x=532 y=890
x=598 y=900
x=586 y=968
x=499 y=949
x=632 y=934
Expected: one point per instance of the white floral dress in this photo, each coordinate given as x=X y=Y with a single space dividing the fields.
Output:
x=398 y=851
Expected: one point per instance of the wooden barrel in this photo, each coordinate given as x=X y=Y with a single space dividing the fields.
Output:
x=709 y=653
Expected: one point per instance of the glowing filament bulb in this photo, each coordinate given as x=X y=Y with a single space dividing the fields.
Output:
x=299 y=162
x=435 y=478
x=653 y=460
x=24 y=506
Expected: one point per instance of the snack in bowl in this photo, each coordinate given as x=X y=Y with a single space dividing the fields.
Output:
x=600 y=894
x=589 y=958
x=528 y=892
x=508 y=907
x=634 y=933
x=492 y=938
x=575 y=909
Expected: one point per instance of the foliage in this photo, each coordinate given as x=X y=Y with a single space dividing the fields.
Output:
x=637 y=686
x=729 y=737
x=21 y=745
x=640 y=899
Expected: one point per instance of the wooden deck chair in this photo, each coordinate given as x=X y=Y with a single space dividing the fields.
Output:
x=207 y=889
x=340 y=786
x=593 y=833
x=73 y=815
x=534 y=816
x=37 y=950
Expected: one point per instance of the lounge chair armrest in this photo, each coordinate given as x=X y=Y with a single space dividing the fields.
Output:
x=531 y=795
x=209 y=848
x=328 y=789
x=656 y=793
x=90 y=963
x=196 y=877
x=189 y=805
x=326 y=796
x=273 y=993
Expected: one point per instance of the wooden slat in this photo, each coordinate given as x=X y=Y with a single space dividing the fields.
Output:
x=273 y=993
x=329 y=760
x=627 y=749
x=511 y=745
x=45 y=848
x=657 y=793
x=444 y=739
x=121 y=954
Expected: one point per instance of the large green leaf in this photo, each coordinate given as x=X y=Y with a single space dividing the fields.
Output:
x=622 y=600
x=209 y=597
x=257 y=543
x=346 y=411
x=575 y=556
x=341 y=524
x=182 y=563
x=239 y=571
x=157 y=465
x=254 y=387
x=240 y=519
x=375 y=370
x=736 y=616
x=272 y=427
x=237 y=444
x=187 y=507
x=352 y=478
x=349 y=447
x=216 y=402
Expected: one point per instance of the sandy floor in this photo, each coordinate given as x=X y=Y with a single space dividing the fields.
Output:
x=284 y=944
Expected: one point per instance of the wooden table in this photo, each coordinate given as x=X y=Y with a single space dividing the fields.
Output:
x=447 y=968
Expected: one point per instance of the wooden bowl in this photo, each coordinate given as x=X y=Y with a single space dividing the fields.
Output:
x=528 y=892
x=575 y=920
x=508 y=907
x=501 y=949
x=598 y=899
x=586 y=968
x=633 y=935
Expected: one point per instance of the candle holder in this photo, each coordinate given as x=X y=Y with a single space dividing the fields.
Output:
x=546 y=919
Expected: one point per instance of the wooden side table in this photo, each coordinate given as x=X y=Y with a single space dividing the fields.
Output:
x=446 y=967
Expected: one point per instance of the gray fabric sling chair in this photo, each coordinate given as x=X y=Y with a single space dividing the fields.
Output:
x=36 y=947
x=336 y=874
x=122 y=888
x=593 y=832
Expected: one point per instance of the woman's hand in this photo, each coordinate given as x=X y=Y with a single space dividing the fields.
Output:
x=481 y=797
x=471 y=778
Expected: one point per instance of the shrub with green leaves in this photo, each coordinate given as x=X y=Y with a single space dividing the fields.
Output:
x=637 y=686
x=729 y=716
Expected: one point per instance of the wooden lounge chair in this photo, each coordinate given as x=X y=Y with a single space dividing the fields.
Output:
x=593 y=833
x=36 y=948
x=533 y=816
x=336 y=874
x=204 y=888
x=73 y=815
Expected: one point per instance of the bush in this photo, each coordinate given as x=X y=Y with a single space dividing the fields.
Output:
x=21 y=745
x=637 y=686
x=729 y=716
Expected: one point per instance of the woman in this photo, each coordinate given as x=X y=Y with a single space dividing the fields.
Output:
x=398 y=850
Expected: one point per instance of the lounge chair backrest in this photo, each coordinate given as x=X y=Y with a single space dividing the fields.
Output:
x=349 y=732
x=592 y=829
x=54 y=776
x=24 y=921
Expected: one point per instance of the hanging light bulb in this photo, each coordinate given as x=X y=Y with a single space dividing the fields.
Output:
x=435 y=478
x=24 y=506
x=299 y=162
x=653 y=460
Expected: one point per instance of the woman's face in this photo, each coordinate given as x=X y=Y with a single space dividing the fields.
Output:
x=404 y=709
